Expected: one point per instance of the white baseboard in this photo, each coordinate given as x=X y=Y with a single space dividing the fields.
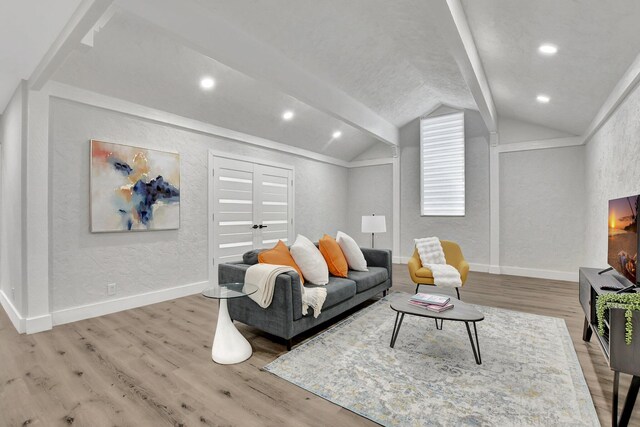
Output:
x=73 y=314
x=513 y=271
x=12 y=312
x=37 y=324
x=569 y=276
x=494 y=269
x=482 y=268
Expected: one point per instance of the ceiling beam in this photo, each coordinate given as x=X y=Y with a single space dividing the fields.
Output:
x=200 y=29
x=455 y=31
x=81 y=22
x=625 y=85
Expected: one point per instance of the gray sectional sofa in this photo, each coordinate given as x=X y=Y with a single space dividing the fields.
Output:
x=283 y=318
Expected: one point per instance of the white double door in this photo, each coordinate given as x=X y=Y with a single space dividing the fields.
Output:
x=252 y=207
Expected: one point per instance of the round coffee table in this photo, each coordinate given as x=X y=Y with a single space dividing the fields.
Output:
x=460 y=312
x=229 y=346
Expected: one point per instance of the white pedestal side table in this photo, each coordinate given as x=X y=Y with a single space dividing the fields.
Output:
x=229 y=346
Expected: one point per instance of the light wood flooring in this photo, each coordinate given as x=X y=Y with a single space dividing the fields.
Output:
x=151 y=366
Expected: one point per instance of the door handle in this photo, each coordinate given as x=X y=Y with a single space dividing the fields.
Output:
x=262 y=226
x=255 y=226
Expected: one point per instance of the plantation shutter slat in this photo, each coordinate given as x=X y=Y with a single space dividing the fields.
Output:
x=442 y=180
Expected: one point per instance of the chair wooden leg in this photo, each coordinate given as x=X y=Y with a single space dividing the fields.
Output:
x=417 y=287
x=458 y=292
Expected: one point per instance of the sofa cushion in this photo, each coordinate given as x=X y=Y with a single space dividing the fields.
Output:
x=338 y=290
x=368 y=279
x=309 y=260
x=280 y=255
x=352 y=252
x=251 y=257
x=330 y=250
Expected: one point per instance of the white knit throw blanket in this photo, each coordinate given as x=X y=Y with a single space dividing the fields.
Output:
x=264 y=276
x=432 y=257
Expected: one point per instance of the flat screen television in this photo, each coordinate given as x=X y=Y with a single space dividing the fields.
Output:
x=623 y=236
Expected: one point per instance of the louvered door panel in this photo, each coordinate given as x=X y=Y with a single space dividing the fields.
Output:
x=274 y=205
x=233 y=209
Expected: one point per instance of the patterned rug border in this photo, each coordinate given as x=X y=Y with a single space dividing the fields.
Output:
x=569 y=350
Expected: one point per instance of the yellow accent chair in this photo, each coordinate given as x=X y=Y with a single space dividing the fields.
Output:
x=452 y=253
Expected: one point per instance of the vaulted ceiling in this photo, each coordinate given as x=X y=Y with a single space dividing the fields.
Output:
x=389 y=55
x=135 y=61
x=596 y=40
x=365 y=67
x=27 y=29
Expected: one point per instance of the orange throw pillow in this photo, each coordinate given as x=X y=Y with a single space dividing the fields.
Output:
x=334 y=257
x=279 y=255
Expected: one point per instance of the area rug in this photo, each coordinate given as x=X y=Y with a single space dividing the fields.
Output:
x=530 y=375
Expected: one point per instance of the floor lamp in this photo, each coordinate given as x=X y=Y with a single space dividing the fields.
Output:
x=374 y=224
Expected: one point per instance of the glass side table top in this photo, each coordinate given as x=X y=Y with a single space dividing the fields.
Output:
x=229 y=291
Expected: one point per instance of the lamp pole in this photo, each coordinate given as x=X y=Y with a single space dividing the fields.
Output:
x=373 y=246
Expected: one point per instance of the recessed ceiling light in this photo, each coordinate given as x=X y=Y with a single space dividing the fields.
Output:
x=288 y=115
x=337 y=134
x=207 y=83
x=543 y=99
x=548 y=49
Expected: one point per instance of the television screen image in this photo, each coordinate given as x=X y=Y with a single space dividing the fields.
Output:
x=623 y=235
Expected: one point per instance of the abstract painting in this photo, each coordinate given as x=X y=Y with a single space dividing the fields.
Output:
x=133 y=188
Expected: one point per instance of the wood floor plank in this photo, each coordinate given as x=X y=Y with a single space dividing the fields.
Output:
x=152 y=365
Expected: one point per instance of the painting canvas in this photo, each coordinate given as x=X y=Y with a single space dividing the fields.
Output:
x=133 y=189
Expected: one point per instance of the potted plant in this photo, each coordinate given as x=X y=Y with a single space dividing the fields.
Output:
x=628 y=302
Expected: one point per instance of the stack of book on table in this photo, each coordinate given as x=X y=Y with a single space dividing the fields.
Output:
x=437 y=303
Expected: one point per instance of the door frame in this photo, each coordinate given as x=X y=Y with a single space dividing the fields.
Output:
x=212 y=277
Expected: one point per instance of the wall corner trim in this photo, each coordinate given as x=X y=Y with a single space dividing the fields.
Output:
x=542 y=144
x=38 y=324
x=16 y=319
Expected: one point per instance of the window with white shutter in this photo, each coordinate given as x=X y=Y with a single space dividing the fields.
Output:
x=442 y=165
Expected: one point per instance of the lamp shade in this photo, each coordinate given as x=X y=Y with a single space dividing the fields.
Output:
x=374 y=224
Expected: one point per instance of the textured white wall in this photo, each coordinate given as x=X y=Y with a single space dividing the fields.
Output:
x=371 y=191
x=84 y=263
x=612 y=170
x=379 y=150
x=542 y=198
x=513 y=130
x=11 y=218
x=470 y=231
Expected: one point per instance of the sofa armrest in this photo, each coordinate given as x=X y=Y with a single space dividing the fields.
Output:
x=379 y=258
x=287 y=291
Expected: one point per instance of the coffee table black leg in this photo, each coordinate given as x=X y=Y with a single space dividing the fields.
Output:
x=439 y=325
x=396 y=329
x=476 y=352
x=395 y=325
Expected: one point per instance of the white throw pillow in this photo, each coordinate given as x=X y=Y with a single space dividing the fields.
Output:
x=311 y=262
x=352 y=252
